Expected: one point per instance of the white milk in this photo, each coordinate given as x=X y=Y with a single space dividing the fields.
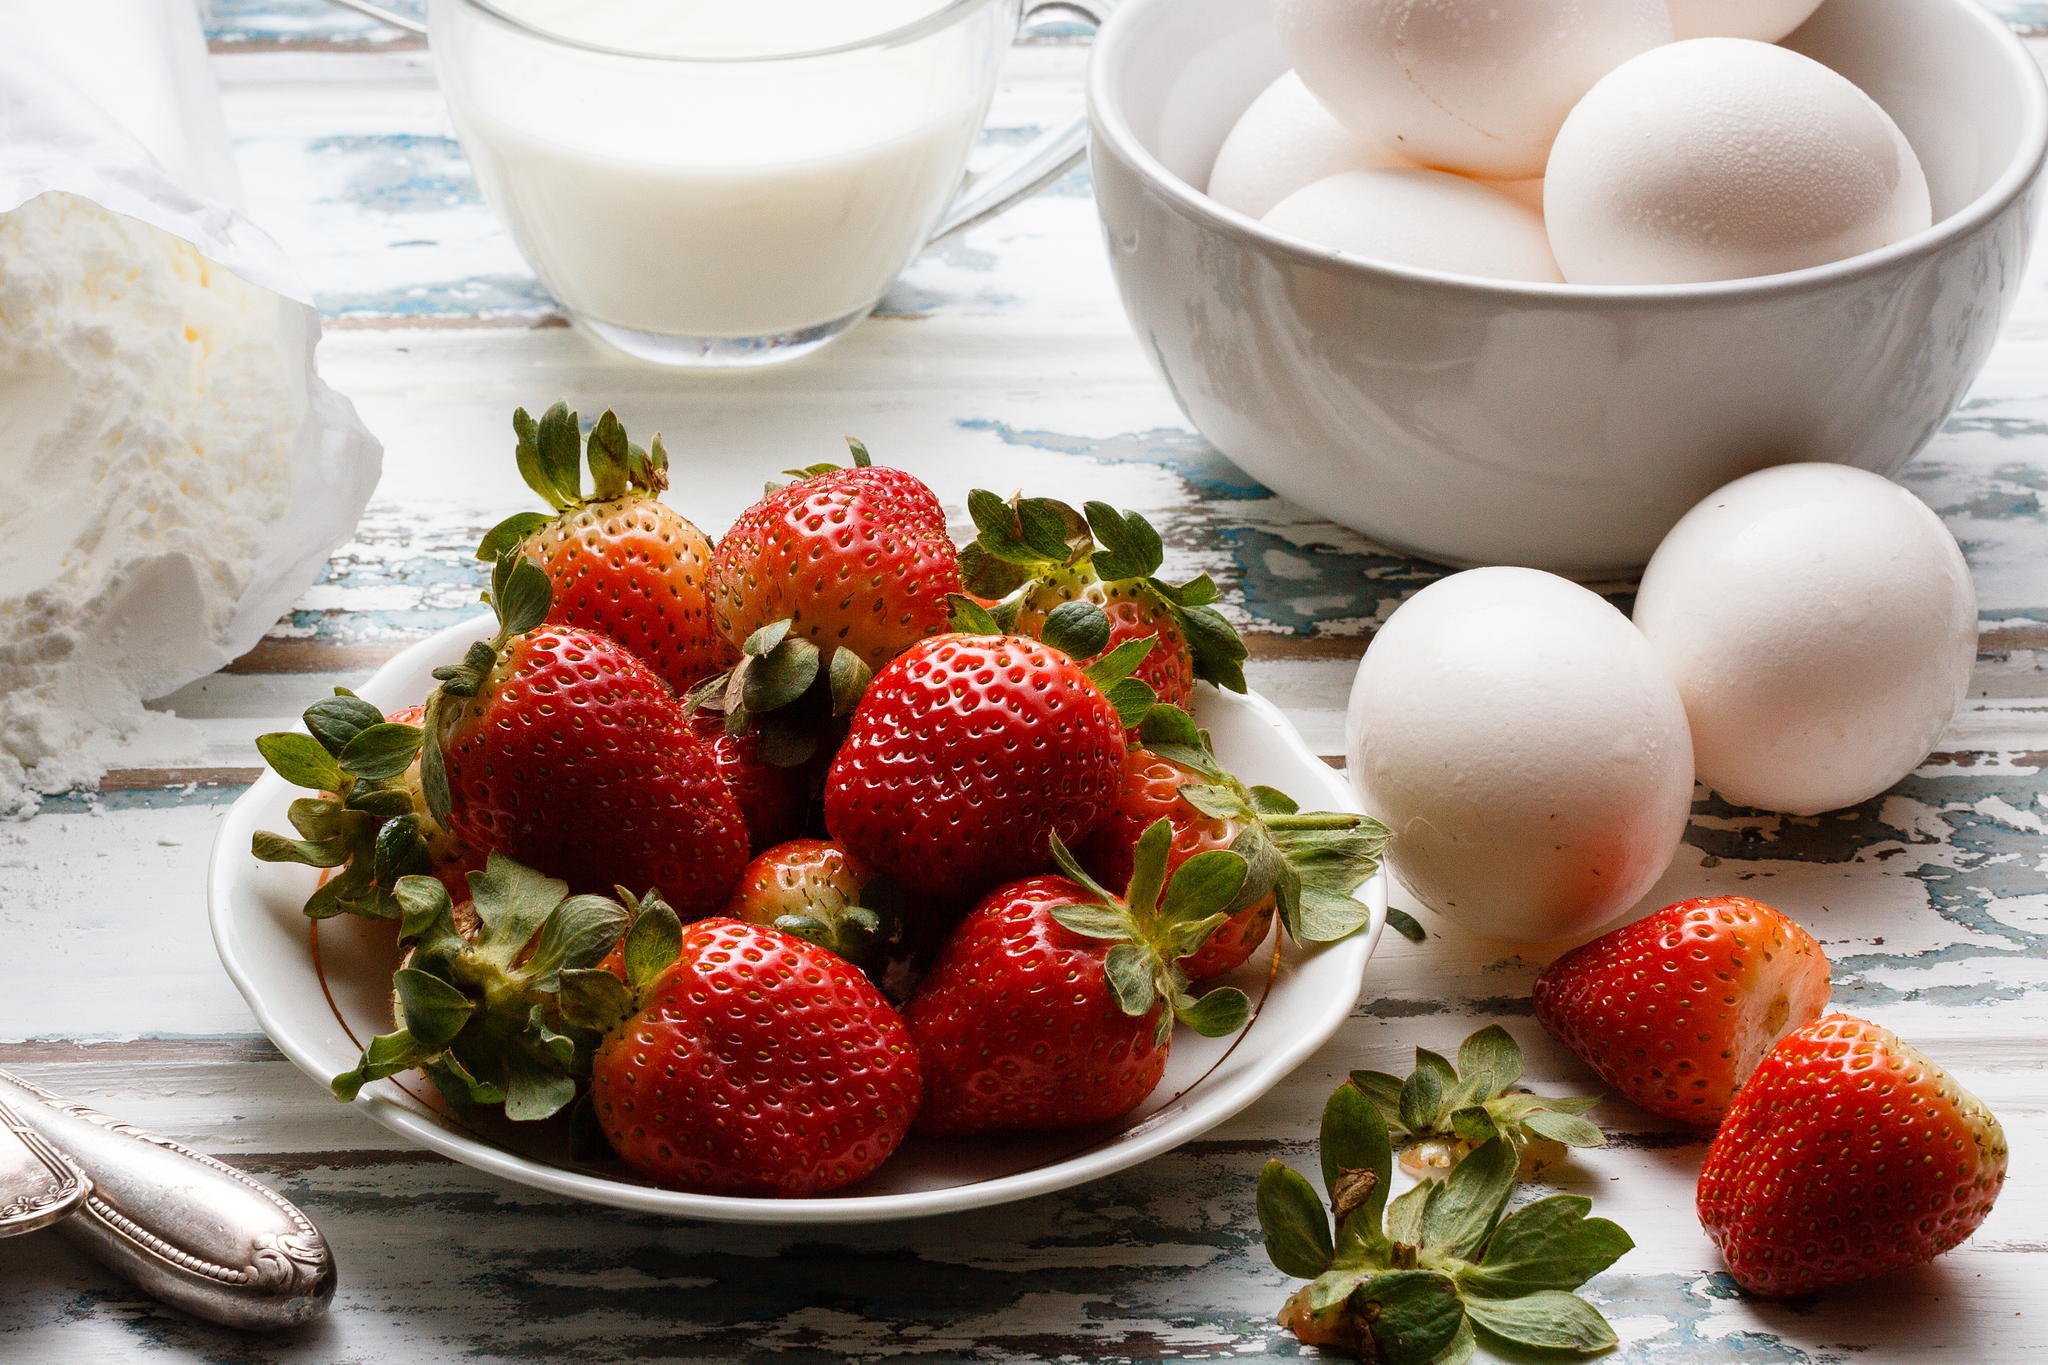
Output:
x=717 y=199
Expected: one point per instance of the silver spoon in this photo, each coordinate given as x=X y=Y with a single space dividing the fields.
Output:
x=38 y=1186
x=190 y=1230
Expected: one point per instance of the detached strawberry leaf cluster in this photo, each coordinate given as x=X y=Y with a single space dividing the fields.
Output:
x=1425 y=1278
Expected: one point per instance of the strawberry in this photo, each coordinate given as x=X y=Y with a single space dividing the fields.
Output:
x=369 y=821
x=1307 y=864
x=1848 y=1154
x=1052 y=1006
x=823 y=581
x=621 y=562
x=1037 y=554
x=970 y=750
x=808 y=1086
x=561 y=748
x=1675 y=1010
x=817 y=891
x=772 y=799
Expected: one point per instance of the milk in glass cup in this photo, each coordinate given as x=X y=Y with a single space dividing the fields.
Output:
x=720 y=183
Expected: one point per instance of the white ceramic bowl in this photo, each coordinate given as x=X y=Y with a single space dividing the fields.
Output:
x=1556 y=426
x=319 y=1008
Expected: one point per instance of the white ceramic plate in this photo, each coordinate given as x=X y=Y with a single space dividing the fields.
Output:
x=320 y=993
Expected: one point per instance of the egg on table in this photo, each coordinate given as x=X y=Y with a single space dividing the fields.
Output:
x=1764 y=20
x=1723 y=159
x=1284 y=141
x=1526 y=750
x=1820 y=624
x=1475 y=86
x=1422 y=218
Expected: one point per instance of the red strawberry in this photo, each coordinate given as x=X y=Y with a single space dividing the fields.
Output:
x=771 y=798
x=1848 y=1154
x=621 y=562
x=1675 y=1010
x=1038 y=554
x=1308 y=864
x=450 y=859
x=968 y=753
x=1053 y=1004
x=563 y=750
x=856 y=557
x=756 y=1064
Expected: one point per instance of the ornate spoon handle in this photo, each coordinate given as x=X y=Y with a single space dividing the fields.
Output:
x=194 y=1232
x=38 y=1185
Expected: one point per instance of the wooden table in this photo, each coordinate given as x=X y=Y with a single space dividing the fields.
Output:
x=1001 y=360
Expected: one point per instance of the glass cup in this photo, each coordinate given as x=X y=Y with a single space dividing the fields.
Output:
x=715 y=190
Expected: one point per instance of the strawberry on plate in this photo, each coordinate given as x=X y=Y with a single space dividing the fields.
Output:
x=1848 y=1154
x=772 y=798
x=1675 y=1010
x=620 y=561
x=1053 y=1004
x=1037 y=554
x=560 y=748
x=1307 y=864
x=969 y=752
x=815 y=890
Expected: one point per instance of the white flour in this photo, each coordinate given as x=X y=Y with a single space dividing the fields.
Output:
x=148 y=408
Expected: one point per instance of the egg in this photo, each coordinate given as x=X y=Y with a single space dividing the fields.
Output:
x=1527 y=751
x=1723 y=159
x=1765 y=20
x=1284 y=141
x=1820 y=624
x=1424 y=218
x=1476 y=86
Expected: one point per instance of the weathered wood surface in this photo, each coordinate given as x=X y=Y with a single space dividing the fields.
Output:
x=999 y=360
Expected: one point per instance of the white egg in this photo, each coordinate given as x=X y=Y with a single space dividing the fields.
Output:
x=1526 y=749
x=1764 y=20
x=1723 y=159
x=1821 y=626
x=1476 y=86
x=1418 y=217
x=1286 y=140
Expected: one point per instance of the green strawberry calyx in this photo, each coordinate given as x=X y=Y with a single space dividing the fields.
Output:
x=1425 y=1278
x=1022 y=544
x=552 y=452
x=1155 y=924
x=787 y=689
x=365 y=820
x=505 y=1006
x=1311 y=862
x=1079 y=630
x=1442 y=1113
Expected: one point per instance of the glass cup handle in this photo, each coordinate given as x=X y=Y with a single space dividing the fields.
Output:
x=1031 y=167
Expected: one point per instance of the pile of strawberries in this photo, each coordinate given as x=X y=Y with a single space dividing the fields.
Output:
x=755 y=856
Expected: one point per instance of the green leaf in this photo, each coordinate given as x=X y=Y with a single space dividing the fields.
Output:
x=1148 y=867
x=652 y=944
x=399 y=851
x=383 y=750
x=777 y=678
x=1473 y=1123
x=1205 y=885
x=387 y=1055
x=1049 y=529
x=512 y=901
x=593 y=998
x=1404 y=1215
x=1547 y=1320
x=1424 y=1099
x=997 y=532
x=765 y=639
x=509 y=534
x=610 y=456
x=1414 y=1314
x=1570 y=1129
x=434 y=773
x=987 y=575
x=1488 y=1063
x=848 y=678
x=522 y=602
x=559 y=441
x=1462 y=1210
x=422 y=901
x=1218 y=1014
x=1113 y=667
x=969 y=617
x=275 y=848
x=577 y=934
x=1385 y=1093
x=1129 y=969
x=1217 y=800
x=527 y=454
x=1130 y=547
x=300 y=760
x=336 y=720
x=1094 y=921
x=1080 y=630
x=434 y=1011
x=1354 y=1138
x=1132 y=698
x=1170 y=725
x=1461 y=1348
x=535 y=1089
x=1406 y=925
x=341 y=894
x=1548 y=1244
x=1297 y=1231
